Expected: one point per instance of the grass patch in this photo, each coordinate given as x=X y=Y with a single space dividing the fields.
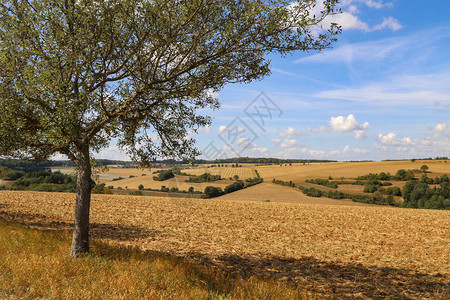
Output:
x=35 y=264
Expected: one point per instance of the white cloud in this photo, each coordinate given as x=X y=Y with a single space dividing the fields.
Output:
x=275 y=141
x=290 y=132
x=372 y=51
x=222 y=129
x=334 y=152
x=316 y=153
x=346 y=149
x=287 y=143
x=377 y=51
x=369 y=3
x=361 y=150
x=259 y=150
x=347 y=124
x=391 y=139
x=206 y=129
x=342 y=124
x=348 y=19
x=423 y=89
x=210 y=93
x=390 y=23
x=112 y=152
x=442 y=129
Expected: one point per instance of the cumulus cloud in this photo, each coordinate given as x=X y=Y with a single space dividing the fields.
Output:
x=290 y=132
x=442 y=129
x=342 y=124
x=259 y=150
x=347 y=124
x=289 y=143
x=391 y=139
x=349 y=20
x=222 y=129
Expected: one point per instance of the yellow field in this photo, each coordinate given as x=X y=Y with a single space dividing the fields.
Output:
x=353 y=251
x=278 y=193
x=177 y=182
x=225 y=172
x=299 y=173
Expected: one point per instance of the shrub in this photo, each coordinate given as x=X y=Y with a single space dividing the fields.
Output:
x=136 y=193
x=164 y=175
x=238 y=185
x=212 y=191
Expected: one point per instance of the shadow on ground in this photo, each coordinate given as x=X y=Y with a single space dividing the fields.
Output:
x=335 y=279
x=114 y=232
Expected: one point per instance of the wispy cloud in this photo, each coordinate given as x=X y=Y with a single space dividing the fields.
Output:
x=426 y=89
x=380 y=50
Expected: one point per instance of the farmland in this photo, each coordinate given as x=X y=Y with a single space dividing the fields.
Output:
x=370 y=251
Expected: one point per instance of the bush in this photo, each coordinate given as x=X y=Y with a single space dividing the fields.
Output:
x=205 y=177
x=370 y=188
x=136 y=193
x=238 y=185
x=323 y=182
x=11 y=175
x=394 y=191
x=212 y=191
x=164 y=175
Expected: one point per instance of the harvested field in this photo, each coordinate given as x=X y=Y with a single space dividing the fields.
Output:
x=299 y=173
x=113 y=173
x=278 y=193
x=344 y=251
x=177 y=182
x=225 y=172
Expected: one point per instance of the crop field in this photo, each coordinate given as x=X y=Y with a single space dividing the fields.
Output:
x=346 y=251
x=268 y=192
x=225 y=172
x=176 y=182
x=299 y=173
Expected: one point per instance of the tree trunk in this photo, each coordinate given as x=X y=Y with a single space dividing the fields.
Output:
x=80 y=240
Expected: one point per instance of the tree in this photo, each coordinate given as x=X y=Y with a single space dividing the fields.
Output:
x=75 y=74
x=212 y=191
x=140 y=187
x=424 y=168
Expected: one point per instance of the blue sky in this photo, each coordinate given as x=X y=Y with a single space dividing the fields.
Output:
x=382 y=92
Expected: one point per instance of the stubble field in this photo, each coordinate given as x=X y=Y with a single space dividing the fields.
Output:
x=357 y=251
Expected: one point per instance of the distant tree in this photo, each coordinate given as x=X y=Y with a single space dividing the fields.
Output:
x=212 y=191
x=75 y=74
x=424 y=168
x=140 y=187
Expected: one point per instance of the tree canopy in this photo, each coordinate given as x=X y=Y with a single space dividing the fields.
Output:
x=76 y=74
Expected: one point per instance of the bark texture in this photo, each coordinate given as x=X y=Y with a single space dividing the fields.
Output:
x=80 y=240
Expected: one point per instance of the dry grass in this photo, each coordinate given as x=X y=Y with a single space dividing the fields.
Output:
x=344 y=251
x=34 y=265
